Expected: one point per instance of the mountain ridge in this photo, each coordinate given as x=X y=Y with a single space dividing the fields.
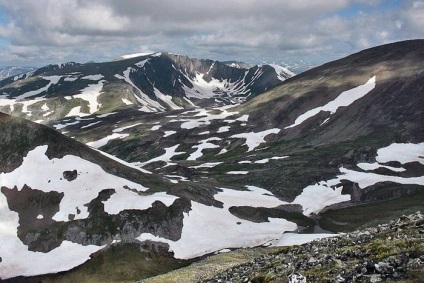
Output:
x=333 y=149
x=152 y=83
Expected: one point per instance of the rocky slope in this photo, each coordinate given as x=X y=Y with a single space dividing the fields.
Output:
x=391 y=252
x=150 y=83
x=388 y=252
x=344 y=125
x=330 y=150
x=61 y=201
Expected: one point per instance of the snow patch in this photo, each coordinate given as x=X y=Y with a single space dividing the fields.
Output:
x=118 y=130
x=253 y=140
x=105 y=140
x=169 y=133
x=52 y=80
x=204 y=144
x=344 y=99
x=126 y=101
x=166 y=157
x=93 y=77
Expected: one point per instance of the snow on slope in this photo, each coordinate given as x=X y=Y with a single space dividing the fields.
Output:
x=281 y=71
x=105 y=140
x=344 y=99
x=204 y=89
x=204 y=144
x=90 y=94
x=41 y=173
x=253 y=140
x=148 y=104
x=207 y=229
x=315 y=197
x=204 y=117
x=52 y=80
x=166 y=157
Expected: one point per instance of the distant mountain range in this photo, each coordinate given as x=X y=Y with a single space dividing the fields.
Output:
x=148 y=163
x=9 y=71
x=152 y=83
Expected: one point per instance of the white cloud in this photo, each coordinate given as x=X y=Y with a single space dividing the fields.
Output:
x=240 y=29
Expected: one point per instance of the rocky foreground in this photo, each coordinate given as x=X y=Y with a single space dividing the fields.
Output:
x=389 y=252
x=393 y=251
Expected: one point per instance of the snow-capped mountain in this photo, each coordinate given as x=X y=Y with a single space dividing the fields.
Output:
x=9 y=71
x=149 y=82
x=332 y=149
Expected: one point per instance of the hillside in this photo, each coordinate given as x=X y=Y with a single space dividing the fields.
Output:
x=150 y=83
x=389 y=252
x=335 y=149
x=10 y=71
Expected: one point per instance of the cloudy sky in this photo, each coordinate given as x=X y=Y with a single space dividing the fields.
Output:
x=41 y=32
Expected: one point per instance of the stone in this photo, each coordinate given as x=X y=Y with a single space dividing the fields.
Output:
x=70 y=175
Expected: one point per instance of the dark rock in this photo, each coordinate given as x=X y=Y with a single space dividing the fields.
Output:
x=70 y=175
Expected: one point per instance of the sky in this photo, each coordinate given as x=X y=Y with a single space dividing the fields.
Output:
x=37 y=33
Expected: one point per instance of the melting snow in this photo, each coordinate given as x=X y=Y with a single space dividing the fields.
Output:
x=204 y=133
x=45 y=107
x=169 y=133
x=253 y=140
x=126 y=101
x=201 y=146
x=106 y=115
x=223 y=129
x=46 y=174
x=76 y=111
x=166 y=99
x=105 y=140
x=61 y=126
x=155 y=127
x=93 y=77
x=142 y=63
x=166 y=157
x=315 y=197
x=148 y=104
x=90 y=94
x=125 y=200
x=374 y=166
x=206 y=165
x=205 y=117
x=280 y=71
x=291 y=239
x=208 y=229
x=402 y=152
x=344 y=99
x=118 y=130
x=90 y=125
x=52 y=80
x=237 y=172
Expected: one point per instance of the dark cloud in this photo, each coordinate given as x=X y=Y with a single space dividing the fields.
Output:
x=46 y=31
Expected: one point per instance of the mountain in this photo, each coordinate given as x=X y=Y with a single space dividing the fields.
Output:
x=61 y=201
x=333 y=149
x=12 y=71
x=149 y=82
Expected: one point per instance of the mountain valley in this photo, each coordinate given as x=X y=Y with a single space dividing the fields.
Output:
x=164 y=159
